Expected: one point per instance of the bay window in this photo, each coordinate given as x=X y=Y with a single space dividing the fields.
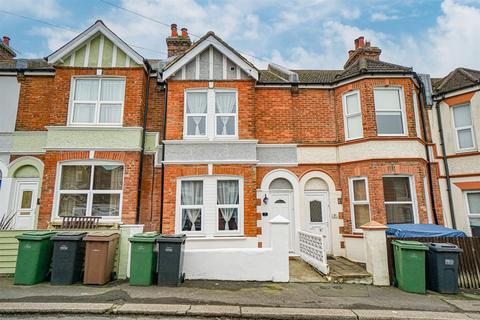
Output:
x=462 y=121
x=399 y=199
x=90 y=190
x=352 y=115
x=359 y=202
x=97 y=101
x=210 y=114
x=389 y=111
x=473 y=211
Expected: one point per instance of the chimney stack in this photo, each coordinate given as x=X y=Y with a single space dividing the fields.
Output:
x=363 y=50
x=176 y=45
x=6 y=52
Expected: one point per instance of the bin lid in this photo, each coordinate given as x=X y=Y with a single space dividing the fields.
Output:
x=411 y=245
x=144 y=237
x=35 y=235
x=171 y=238
x=443 y=247
x=102 y=236
x=70 y=236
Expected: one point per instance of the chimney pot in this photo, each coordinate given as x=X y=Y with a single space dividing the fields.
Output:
x=184 y=32
x=173 y=27
x=6 y=41
x=361 y=42
x=356 y=43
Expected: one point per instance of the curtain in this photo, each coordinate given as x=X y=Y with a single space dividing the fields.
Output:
x=225 y=103
x=227 y=193
x=110 y=113
x=192 y=194
x=86 y=89
x=83 y=113
x=197 y=103
x=112 y=90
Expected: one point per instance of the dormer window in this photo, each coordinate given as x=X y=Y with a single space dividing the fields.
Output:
x=97 y=101
x=211 y=114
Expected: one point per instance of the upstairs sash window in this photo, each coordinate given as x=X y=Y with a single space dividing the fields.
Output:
x=353 y=115
x=196 y=110
x=225 y=113
x=389 y=111
x=462 y=120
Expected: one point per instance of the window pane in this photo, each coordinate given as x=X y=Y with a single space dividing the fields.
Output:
x=474 y=203
x=315 y=211
x=227 y=192
x=389 y=123
x=196 y=102
x=354 y=126
x=399 y=213
x=465 y=139
x=105 y=205
x=196 y=125
x=227 y=219
x=462 y=116
x=86 y=89
x=225 y=102
x=387 y=99
x=397 y=189
x=352 y=103
x=112 y=90
x=192 y=220
x=192 y=193
x=362 y=215
x=108 y=177
x=359 y=190
x=475 y=226
x=110 y=113
x=75 y=178
x=83 y=113
x=73 y=205
x=225 y=125
x=26 y=200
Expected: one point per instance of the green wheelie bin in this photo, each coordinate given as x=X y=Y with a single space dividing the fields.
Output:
x=143 y=258
x=34 y=257
x=410 y=265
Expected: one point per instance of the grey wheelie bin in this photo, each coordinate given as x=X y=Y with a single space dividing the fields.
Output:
x=68 y=256
x=442 y=267
x=170 y=259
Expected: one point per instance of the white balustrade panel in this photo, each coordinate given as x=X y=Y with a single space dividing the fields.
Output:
x=313 y=250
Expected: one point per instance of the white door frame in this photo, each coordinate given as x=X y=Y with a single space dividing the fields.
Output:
x=323 y=196
x=19 y=182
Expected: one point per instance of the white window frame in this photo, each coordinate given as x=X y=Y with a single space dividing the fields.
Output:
x=402 y=111
x=200 y=232
x=346 y=115
x=211 y=116
x=210 y=228
x=413 y=192
x=90 y=192
x=471 y=127
x=97 y=103
x=354 y=202
x=467 y=206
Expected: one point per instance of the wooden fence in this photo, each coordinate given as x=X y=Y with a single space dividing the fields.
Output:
x=469 y=272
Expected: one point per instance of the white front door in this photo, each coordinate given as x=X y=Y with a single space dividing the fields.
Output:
x=281 y=203
x=25 y=204
x=317 y=214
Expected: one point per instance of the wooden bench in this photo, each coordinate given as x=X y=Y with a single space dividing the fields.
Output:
x=80 y=222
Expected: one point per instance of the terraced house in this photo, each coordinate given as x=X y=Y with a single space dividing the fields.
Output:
x=204 y=143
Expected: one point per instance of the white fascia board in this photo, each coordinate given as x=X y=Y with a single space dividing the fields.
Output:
x=202 y=46
x=97 y=27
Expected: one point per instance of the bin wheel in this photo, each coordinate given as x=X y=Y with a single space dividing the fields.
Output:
x=182 y=278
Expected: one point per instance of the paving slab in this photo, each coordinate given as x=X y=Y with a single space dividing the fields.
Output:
x=212 y=311
x=36 y=307
x=475 y=316
x=408 y=315
x=146 y=308
x=465 y=305
x=296 y=313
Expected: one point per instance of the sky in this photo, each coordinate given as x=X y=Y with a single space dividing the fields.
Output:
x=432 y=36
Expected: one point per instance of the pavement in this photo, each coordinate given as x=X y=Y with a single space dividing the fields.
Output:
x=233 y=300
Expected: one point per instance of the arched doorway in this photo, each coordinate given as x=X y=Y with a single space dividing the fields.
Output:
x=281 y=204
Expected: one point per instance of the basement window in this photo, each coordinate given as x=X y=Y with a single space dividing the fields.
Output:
x=97 y=101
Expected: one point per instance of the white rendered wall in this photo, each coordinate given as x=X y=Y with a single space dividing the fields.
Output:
x=354 y=249
x=9 y=93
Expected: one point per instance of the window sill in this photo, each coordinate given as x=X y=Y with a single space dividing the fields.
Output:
x=216 y=237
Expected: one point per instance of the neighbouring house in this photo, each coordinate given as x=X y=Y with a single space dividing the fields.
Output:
x=455 y=126
x=204 y=143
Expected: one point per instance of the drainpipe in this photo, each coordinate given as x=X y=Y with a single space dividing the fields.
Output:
x=445 y=163
x=142 y=151
x=423 y=103
x=162 y=190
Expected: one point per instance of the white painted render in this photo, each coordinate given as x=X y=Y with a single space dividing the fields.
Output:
x=354 y=249
x=9 y=93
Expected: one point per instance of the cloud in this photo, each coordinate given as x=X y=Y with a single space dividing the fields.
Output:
x=36 y=8
x=55 y=38
x=379 y=16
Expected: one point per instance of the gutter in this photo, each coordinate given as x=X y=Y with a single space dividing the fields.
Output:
x=142 y=152
x=162 y=183
x=445 y=162
x=423 y=103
